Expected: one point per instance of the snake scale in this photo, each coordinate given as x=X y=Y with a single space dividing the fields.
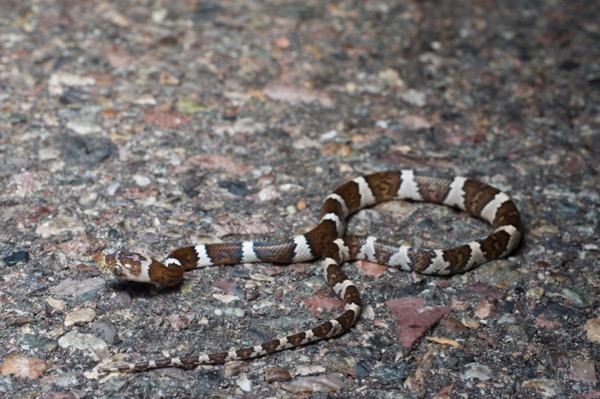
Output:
x=328 y=243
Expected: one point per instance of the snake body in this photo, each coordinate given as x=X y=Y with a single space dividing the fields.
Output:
x=328 y=243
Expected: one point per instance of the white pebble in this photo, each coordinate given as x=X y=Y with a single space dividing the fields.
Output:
x=142 y=181
x=83 y=127
x=244 y=383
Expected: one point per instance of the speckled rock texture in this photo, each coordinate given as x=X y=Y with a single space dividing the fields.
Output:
x=149 y=125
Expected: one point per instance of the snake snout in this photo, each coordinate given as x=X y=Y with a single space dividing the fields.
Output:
x=107 y=264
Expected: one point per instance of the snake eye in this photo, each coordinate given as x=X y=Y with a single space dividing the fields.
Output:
x=118 y=271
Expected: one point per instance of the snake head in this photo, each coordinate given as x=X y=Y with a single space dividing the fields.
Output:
x=125 y=265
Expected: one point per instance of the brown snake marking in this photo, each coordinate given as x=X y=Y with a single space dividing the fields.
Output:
x=328 y=243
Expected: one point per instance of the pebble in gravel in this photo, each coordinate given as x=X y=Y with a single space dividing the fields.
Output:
x=16 y=257
x=544 y=387
x=233 y=368
x=584 y=371
x=59 y=225
x=340 y=362
x=235 y=187
x=507 y=318
x=80 y=316
x=244 y=383
x=70 y=287
x=35 y=341
x=87 y=150
x=390 y=376
x=502 y=274
x=84 y=342
x=477 y=371
x=535 y=293
x=320 y=383
x=106 y=330
x=141 y=181
x=23 y=366
x=277 y=374
x=579 y=299
x=592 y=330
x=83 y=127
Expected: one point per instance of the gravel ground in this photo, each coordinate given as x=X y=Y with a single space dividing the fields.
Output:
x=148 y=125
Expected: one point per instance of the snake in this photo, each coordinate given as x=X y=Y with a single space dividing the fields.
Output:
x=328 y=244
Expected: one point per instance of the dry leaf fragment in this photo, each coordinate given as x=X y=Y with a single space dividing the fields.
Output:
x=444 y=341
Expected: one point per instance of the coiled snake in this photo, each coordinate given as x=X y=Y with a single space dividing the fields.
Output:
x=328 y=243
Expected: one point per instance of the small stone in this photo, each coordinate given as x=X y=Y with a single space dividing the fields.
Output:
x=48 y=153
x=413 y=97
x=301 y=205
x=581 y=300
x=16 y=257
x=477 y=371
x=535 y=293
x=189 y=106
x=115 y=384
x=16 y=118
x=145 y=99
x=328 y=136
x=391 y=77
x=85 y=342
x=112 y=188
x=544 y=387
x=58 y=225
x=584 y=371
x=251 y=295
x=502 y=274
x=363 y=369
x=291 y=210
x=341 y=362
x=22 y=366
x=106 y=330
x=371 y=269
x=416 y=122
x=592 y=330
x=351 y=87
x=309 y=369
x=70 y=287
x=141 y=181
x=234 y=368
x=60 y=79
x=282 y=42
x=270 y=193
x=459 y=358
x=244 y=383
x=470 y=323
x=393 y=375
x=88 y=198
x=83 y=127
x=33 y=341
x=80 y=316
x=225 y=298
x=484 y=309
x=235 y=187
x=87 y=150
x=186 y=287
x=159 y=15
x=321 y=383
x=339 y=149
x=507 y=319
x=277 y=374
x=167 y=79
